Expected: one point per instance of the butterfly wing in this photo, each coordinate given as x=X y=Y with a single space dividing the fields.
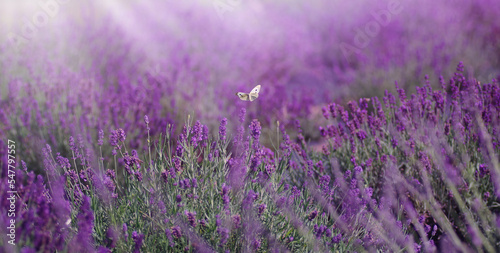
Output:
x=256 y=89
x=243 y=96
x=253 y=96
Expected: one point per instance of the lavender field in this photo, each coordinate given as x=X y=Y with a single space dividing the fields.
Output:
x=376 y=127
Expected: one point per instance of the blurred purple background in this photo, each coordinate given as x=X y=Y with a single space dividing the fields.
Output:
x=74 y=67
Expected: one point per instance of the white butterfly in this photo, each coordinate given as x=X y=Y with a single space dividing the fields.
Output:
x=254 y=94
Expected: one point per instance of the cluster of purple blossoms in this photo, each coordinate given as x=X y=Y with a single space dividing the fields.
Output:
x=146 y=121
x=176 y=231
x=236 y=221
x=224 y=235
x=63 y=161
x=168 y=233
x=85 y=226
x=138 y=240
x=110 y=185
x=312 y=215
x=255 y=130
x=168 y=173
x=100 y=140
x=186 y=183
x=191 y=216
x=222 y=129
x=196 y=134
x=130 y=161
x=225 y=195
x=117 y=137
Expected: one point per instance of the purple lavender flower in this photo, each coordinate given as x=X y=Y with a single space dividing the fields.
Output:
x=333 y=110
x=460 y=67
x=85 y=226
x=110 y=185
x=71 y=143
x=427 y=228
x=138 y=240
x=161 y=207
x=483 y=170
x=369 y=192
x=204 y=136
x=111 y=174
x=241 y=115
x=487 y=195
x=354 y=185
x=222 y=129
x=191 y=216
x=172 y=172
x=324 y=181
x=117 y=137
x=401 y=93
x=270 y=169
x=224 y=235
x=236 y=221
x=177 y=165
x=328 y=233
x=319 y=230
x=203 y=222
x=179 y=150
x=168 y=233
x=323 y=132
x=358 y=170
x=347 y=174
x=361 y=134
x=255 y=161
x=187 y=183
x=417 y=247
x=225 y=189
x=325 y=112
x=164 y=175
x=47 y=160
x=312 y=215
x=63 y=162
x=138 y=176
x=255 y=130
x=336 y=239
x=112 y=237
x=394 y=142
x=100 y=141
x=295 y=192
x=196 y=132
x=176 y=231
x=217 y=220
